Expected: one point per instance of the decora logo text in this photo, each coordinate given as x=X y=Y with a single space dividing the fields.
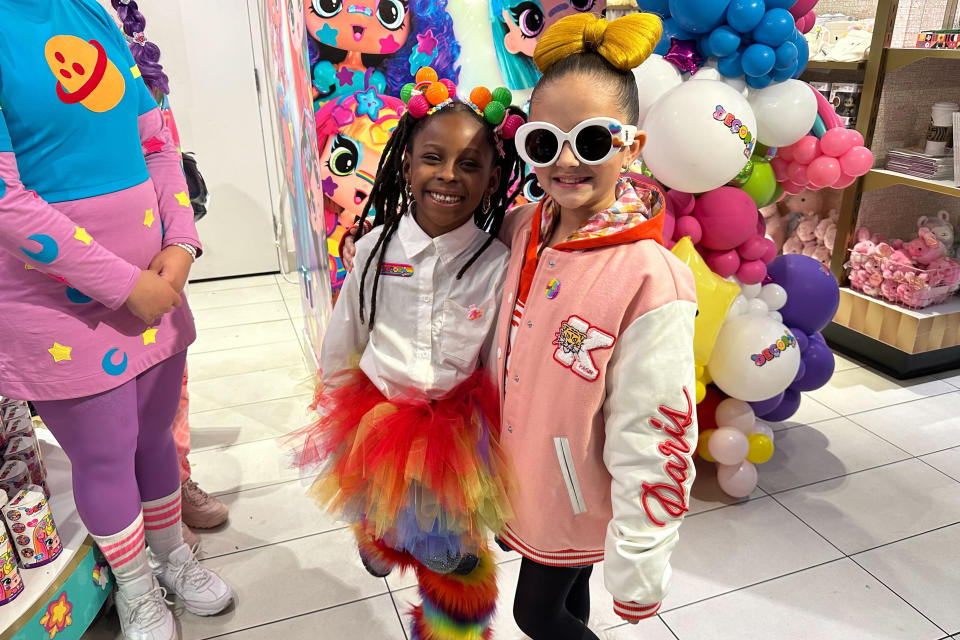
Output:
x=737 y=127
x=774 y=350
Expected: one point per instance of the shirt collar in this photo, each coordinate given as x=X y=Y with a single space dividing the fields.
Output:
x=448 y=246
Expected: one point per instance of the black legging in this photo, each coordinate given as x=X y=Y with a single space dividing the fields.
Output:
x=553 y=603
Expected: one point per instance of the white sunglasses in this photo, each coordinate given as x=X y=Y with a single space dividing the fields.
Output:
x=593 y=141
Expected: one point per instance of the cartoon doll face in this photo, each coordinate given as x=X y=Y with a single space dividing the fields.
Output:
x=9 y=578
x=364 y=26
x=526 y=20
x=348 y=169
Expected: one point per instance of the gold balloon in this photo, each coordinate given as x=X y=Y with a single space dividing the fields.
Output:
x=761 y=448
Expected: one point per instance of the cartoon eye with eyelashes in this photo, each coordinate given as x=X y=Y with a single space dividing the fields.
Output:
x=391 y=13
x=326 y=8
x=529 y=17
x=345 y=156
x=532 y=190
x=582 y=5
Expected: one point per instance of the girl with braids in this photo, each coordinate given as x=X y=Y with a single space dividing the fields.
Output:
x=408 y=428
x=94 y=202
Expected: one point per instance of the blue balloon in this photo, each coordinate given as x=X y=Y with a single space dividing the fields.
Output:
x=786 y=55
x=745 y=15
x=699 y=16
x=758 y=60
x=730 y=66
x=776 y=27
x=782 y=75
x=803 y=54
x=722 y=41
x=759 y=82
x=672 y=29
x=659 y=7
x=780 y=4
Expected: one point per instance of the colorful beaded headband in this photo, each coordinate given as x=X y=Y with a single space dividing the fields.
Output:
x=430 y=94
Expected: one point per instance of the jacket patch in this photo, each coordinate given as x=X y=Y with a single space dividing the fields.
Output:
x=575 y=340
x=671 y=496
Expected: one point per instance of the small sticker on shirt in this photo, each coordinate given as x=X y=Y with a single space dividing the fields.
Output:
x=400 y=270
x=474 y=313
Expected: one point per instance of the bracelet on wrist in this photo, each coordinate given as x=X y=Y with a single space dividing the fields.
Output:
x=189 y=248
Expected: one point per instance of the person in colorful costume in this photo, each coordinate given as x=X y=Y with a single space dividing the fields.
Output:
x=96 y=243
x=408 y=429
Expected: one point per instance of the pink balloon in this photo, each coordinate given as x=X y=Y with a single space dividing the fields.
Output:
x=836 y=142
x=753 y=249
x=844 y=181
x=770 y=254
x=857 y=162
x=723 y=263
x=779 y=166
x=752 y=272
x=738 y=480
x=728 y=445
x=786 y=153
x=802 y=8
x=669 y=225
x=680 y=203
x=856 y=136
x=688 y=226
x=793 y=188
x=798 y=173
x=806 y=24
x=728 y=216
x=806 y=150
x=824 y=171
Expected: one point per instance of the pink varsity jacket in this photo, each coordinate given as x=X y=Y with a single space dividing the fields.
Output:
x=599 y=412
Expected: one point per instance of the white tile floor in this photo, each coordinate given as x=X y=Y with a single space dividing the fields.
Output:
x=853 y=533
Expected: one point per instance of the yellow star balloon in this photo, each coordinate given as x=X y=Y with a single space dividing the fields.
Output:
x=150 y=336
x=183 y=199
x=714 y=298
x=60 y=352
x=83 y=236
x=148 y=218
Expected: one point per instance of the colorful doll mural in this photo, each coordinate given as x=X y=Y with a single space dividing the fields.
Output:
x=517 y=26
x=351 y=132
x=394 y=38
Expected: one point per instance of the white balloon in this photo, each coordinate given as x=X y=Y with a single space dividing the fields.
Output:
x=737 y=414
x=708 y=71
x=699 y=136
x=774 y=295
x=751 y=291
x=763 y=429
x=739 y=84
x=737 y=480
x=728 y=445
x=754 y=358
x=785 y=112
x=655 y=77
x=738 y=308
x=758 y=307
x=776 y=316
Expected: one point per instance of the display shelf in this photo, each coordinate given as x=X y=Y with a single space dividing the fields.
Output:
x=897 y=58
x=912 y=331
x=832 y=65
x=880 y=178
x=73 y=587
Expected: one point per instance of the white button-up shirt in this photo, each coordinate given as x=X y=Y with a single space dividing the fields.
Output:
x=431 y=329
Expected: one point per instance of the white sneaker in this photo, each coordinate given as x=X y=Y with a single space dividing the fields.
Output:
x=143 y=611
x=202 y=591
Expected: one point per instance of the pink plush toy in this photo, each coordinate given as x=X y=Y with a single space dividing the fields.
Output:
x=776 y=224
x=864 y=247
x=889 y=289
x=925 y=249
x=913 y=291
x=941 y=227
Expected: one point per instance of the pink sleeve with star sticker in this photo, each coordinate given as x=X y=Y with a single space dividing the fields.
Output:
x=49 y=242
x=163 y=163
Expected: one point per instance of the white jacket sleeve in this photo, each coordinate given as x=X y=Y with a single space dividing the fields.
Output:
x=651 y=437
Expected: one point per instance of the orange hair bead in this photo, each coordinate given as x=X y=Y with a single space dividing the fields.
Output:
x=436 y=93
x=481 y=97
x=426 y=74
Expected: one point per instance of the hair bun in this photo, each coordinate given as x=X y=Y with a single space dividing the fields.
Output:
x=625 y=42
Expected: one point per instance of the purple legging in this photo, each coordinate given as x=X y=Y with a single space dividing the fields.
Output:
x=120 y=444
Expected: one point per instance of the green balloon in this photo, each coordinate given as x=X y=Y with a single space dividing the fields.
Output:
x=762 y=184
x=744 y=176
x=777 y=194
x=645 y=170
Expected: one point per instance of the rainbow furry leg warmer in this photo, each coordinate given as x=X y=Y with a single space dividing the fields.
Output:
x=456 y=607
x=378 y=554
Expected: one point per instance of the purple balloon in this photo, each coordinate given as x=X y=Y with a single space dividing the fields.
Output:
x=801 y=371
x=819 y=365
x=802 y=340
x=786 y=409
x=766 y=406
x=813 y=295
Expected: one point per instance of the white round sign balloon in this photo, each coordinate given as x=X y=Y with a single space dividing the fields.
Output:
x=755 y=358
x=655 y=77
x=700 y=135
x=785 y=112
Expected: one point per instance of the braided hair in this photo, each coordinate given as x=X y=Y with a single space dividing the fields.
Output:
x=389 y=200
x=145 y=53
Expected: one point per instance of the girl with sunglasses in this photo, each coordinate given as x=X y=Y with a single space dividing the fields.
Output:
x=595 y=344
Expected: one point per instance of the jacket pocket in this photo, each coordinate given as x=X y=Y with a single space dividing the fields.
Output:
x=465 y=330
x=569 y=472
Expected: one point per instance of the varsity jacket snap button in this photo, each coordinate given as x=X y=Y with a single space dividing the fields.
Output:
x=510 y=429
x=516 y=378
x=553 y=263
x=529 y=324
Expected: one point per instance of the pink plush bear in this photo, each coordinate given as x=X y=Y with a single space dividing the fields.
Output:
x=925 y=249
x=864 y=247
x=889 y=289
x=808 y=203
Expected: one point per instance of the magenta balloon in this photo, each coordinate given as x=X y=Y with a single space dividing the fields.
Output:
x=806 y=150
x=761 y=226
x=669 y=225
x=793 y=188
x=752 y=272
x=728 y=217
x=802 y=8
x=688 y=226
x=824 y=171
x=857 y=162
x=681 y=203
x=836 y=142
x=770 y=253
x=806 y=24
x=753 y=249
x=723 y=263
x=798 y=173
x=786 y=153
x=844 y=181
x=779 y=166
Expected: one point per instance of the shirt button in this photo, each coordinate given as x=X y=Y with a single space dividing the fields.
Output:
x=425 y=298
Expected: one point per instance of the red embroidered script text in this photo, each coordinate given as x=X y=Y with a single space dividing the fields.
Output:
x=672 y=498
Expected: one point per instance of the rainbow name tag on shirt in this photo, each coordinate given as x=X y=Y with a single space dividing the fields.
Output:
x=400 y=270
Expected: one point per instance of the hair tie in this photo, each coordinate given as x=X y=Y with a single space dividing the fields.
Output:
x=140 y=38
x=593 y=35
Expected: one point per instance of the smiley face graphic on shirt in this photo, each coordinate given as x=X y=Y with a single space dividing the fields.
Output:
x=84 y=74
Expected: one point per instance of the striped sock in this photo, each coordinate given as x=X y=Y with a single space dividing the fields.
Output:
x=161 y=519
x=125 y=552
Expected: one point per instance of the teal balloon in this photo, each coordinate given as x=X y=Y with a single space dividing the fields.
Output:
x=114 y=369
x=819 y=127
x=77 y=297
x=49 y=250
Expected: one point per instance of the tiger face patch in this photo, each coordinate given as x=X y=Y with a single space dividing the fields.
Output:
x=575 y=340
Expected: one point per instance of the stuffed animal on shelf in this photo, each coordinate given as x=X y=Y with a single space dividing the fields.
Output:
x=926 y=248
x=942 y=228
